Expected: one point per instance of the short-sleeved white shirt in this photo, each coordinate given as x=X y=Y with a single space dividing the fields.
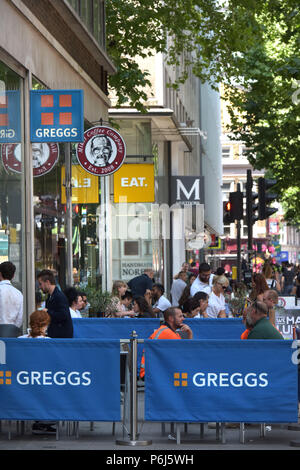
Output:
x=215 y=305
x=162 y=304
x=199 y=286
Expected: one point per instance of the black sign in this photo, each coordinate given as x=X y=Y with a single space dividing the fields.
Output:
x=187 y=190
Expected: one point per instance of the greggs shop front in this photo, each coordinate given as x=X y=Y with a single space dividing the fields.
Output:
x=88 y=220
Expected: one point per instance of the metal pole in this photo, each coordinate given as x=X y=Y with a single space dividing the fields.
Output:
x=238 y=228
x=249 y=212
x=133 y=398
x=68 y=183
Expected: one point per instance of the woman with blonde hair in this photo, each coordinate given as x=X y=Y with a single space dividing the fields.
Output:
x=216 y=302
x=116 y=309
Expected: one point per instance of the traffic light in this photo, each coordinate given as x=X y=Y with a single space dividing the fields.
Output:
x=251 y=203
x=265 y=198
x=233 y=209
x=236 y=205
x=227 y=216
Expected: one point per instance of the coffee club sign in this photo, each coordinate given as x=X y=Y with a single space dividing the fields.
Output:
x=44 y=157
x=102 y=152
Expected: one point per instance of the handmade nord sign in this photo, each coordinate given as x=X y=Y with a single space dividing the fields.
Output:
x=222 y=381
x=102 y=152
x=58 y=379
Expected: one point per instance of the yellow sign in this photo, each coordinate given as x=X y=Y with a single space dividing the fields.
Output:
x=134 y=183
x=85 y=187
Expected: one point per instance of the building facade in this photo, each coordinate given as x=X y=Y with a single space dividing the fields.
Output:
x=43 y=223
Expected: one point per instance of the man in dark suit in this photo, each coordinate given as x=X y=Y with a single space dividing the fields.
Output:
x=139 y=285
x=61 y=325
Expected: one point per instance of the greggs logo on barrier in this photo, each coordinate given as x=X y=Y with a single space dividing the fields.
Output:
x=60 y=378
x=222 y=379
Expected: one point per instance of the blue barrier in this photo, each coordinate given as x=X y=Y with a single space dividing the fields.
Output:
x=60 y=379
x=119 y=328
x=216 y=328
x=115 y=328
x=222 y=381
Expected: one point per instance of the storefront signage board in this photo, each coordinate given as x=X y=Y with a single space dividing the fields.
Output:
x=85 y=187
x=134 y=183
x=10 y=112
x=56 y=116
x=102 y=151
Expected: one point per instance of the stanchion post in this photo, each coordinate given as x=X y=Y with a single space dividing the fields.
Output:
x=133 y=397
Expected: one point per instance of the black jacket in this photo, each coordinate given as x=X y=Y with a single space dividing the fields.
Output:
x=61 y=325
x=138 y=285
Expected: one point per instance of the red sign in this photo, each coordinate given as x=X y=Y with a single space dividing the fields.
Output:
x=44 y=157
x=102 y=152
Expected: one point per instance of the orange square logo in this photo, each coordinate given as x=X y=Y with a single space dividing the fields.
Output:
x=47 y=119
x=65 y=118
x=47 y=101
x=3 y=119
x=65 y=101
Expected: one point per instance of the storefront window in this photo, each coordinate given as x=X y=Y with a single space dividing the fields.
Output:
x=132 y=220
x=11 y=170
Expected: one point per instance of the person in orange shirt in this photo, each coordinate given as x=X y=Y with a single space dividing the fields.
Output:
x=173 y=321
x=245 y=333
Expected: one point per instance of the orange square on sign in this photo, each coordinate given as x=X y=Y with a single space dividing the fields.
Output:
x=47 y=119
x=47 y=101
x=65 y=118
x=65 y=101
x=3 y=120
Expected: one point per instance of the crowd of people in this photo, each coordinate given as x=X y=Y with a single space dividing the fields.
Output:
x=195 y=292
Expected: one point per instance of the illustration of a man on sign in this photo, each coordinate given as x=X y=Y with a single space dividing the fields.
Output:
x=100 y=151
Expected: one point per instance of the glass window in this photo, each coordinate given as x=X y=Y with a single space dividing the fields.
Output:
x=226 y=152
x=11 y=170
x=92 y=13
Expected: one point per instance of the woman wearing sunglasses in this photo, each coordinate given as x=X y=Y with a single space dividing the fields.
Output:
x=216 y=301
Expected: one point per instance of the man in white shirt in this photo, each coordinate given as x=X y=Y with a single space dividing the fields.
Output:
x=161 y=303
x=202 y=283
x=11 y=299
x=178 y=286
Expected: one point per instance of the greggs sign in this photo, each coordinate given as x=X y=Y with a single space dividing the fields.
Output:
x=221 y=381
x=56 y=116
x=57 y=379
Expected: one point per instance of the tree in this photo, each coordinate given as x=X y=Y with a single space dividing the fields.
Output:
x=250 y=46
x=210 y=38
x=265 y=110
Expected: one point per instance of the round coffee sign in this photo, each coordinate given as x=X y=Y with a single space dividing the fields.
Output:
x=44 y=157
x=102 y=152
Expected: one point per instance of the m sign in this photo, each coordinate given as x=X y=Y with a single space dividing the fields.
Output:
x=187 y=190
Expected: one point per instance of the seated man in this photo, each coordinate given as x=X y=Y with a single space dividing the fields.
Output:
x=270 y=298
x=174 y=318
x=161 y=303
x=261 y=327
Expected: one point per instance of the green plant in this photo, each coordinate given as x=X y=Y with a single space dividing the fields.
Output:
x=237 y=303
x=97 y=299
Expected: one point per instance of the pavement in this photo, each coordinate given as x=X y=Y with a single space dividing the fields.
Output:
x=151 y=437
